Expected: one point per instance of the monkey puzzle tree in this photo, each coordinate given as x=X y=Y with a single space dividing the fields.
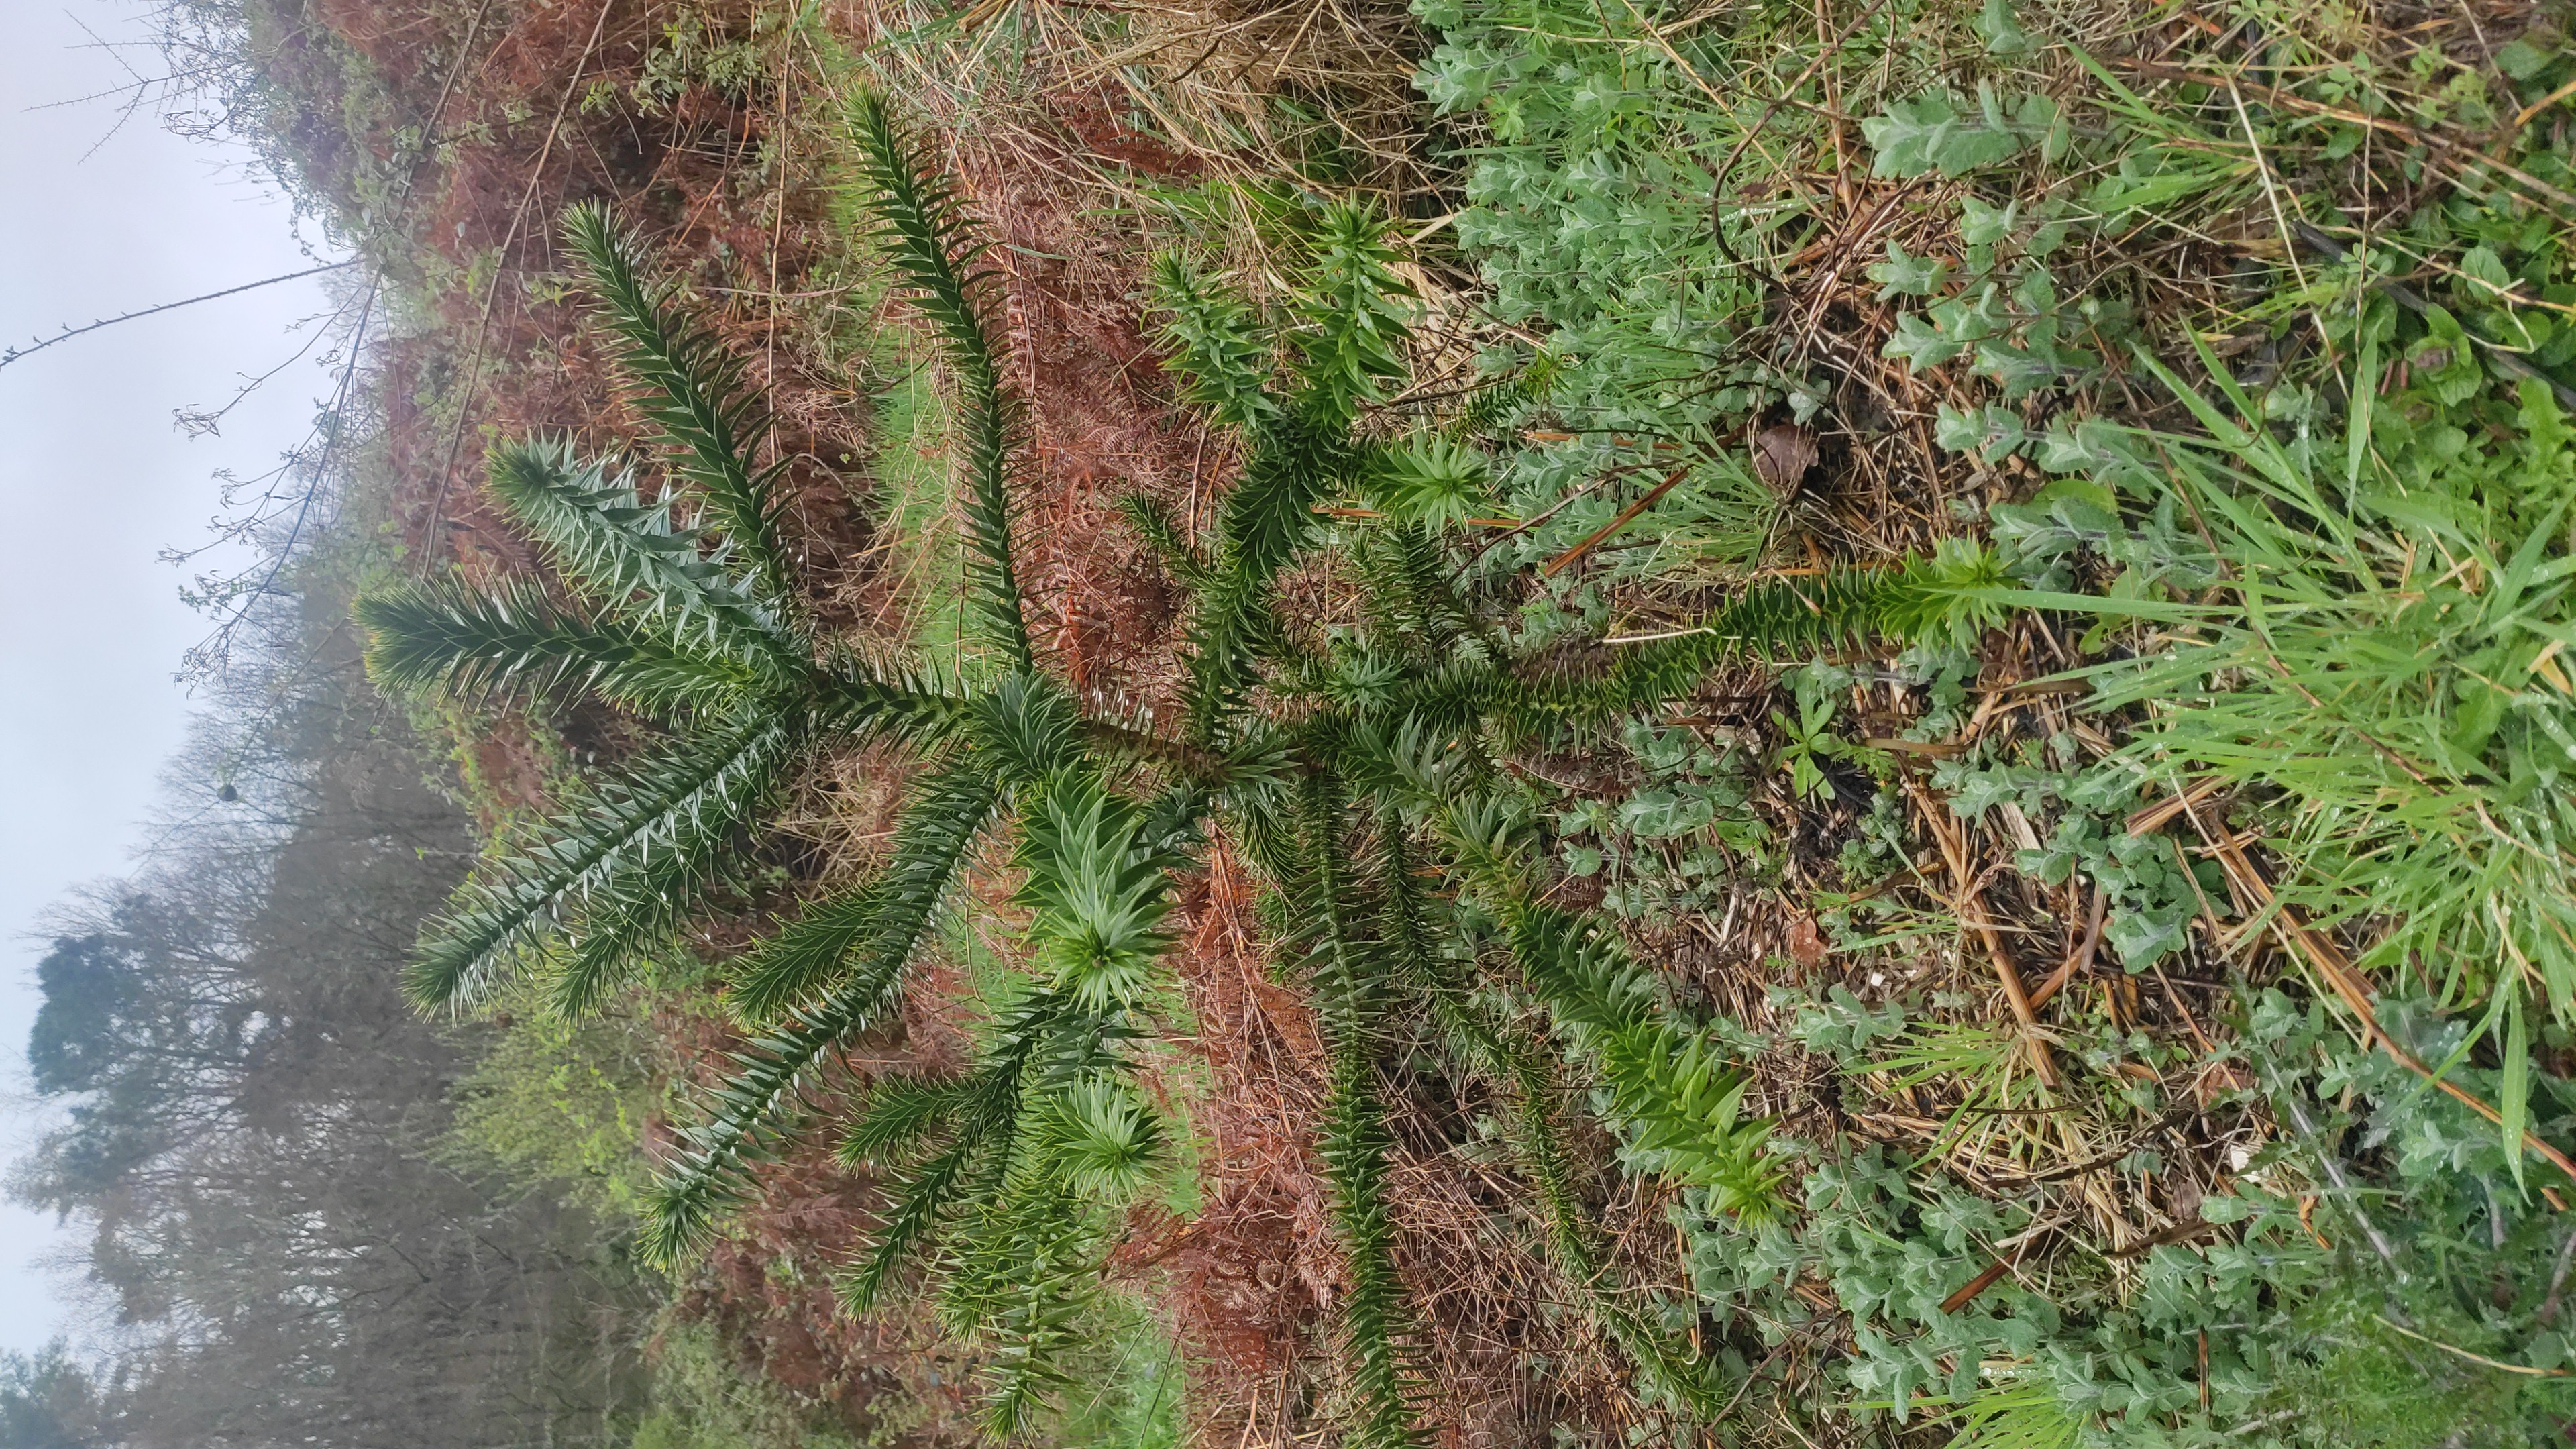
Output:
x=1347 y=767
x=689 y=615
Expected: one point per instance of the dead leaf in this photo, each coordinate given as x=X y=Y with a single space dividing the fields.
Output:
x=1806 y=946
x=1782 y=454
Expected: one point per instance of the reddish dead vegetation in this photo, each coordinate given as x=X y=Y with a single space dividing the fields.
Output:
x=1101 y=607
x=532 y=111
x=1249 y=1277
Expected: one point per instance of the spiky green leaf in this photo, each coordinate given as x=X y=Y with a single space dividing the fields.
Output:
x=749 y=1113
x=630 y=557
x=513 y=645
x=1096 y=890
x=1221 y=350
x=845 y=931
x=926 y=236
x=1351 y=991
x=691 y=390
x=1357 y=314
x=654 y=828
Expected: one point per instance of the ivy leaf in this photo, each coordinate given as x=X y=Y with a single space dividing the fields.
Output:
x=2087 y=445
x=1908 y=276
x=2457 y=380
x=2002 y=33
x=1663 y=814
x=2040 y=117
x=2481 y=264
x=1928 y=133
x=2021 y=371
x=1990 y=432
x=2036 y=293
x=1918 y=344
x=1972 y=320
x=2142 y=936
x=1979 y=791
x=2523 y=60
x=1981 y=225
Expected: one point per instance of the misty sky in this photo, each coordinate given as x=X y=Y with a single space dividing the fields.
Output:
x=95 y=481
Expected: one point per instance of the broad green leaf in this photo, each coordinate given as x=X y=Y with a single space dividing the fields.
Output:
x=1928 y=133
x=1908 y=276
x=2002 y=33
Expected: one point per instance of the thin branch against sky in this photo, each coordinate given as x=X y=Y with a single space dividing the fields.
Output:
x=13 y=354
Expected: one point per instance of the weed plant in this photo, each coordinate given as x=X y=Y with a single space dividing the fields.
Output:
x=2305 y=530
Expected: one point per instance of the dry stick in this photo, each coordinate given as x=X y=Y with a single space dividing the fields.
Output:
x=777 y=240
x=483 y=328
x=2081 y=959
x=1552 y=510
x=2183 y=1232
x=2558 y=1279
x=222 y=637
x=1653 y=495
x=2523 y=117
x=2099 y=1160
x=2477 y=1358
x=2180 y=1009
x=1968 y=1291
x=2347 y=984
x=1967 y=907
x=2007 y=1256
x=2290 y=250
x=2154 y=817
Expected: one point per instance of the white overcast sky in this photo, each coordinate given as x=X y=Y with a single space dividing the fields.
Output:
x=95 y=481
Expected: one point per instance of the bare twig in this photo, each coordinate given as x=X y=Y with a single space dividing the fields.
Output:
x=2558 y=1279
x=12 y=354
x=2080 y=959
x=482 y=330
x=1653 y=495
x=1968 y=909
x=2476 y=1358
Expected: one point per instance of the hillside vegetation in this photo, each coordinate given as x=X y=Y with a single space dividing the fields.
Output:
x=1512 y=723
